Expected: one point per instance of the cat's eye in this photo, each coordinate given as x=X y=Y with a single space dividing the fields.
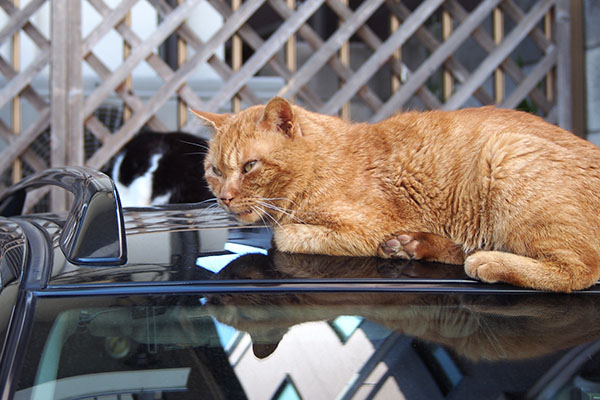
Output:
x=216 y=171
x=248 y=166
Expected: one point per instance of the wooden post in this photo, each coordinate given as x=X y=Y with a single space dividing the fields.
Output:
x=578 y=107
x=291 y=59
x=498 y=28
x=128 y=81
x=66 y=137
x=548 y=22
x=236 y=57
x=75 y=133
x=397 y=55
x=345 y=59
x=17 y=167
x=58 y=101
x=448 y=80
x=182 y=111
x=563 y=69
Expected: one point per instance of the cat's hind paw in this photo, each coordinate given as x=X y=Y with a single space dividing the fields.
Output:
x=401 y=245
x=421 y=246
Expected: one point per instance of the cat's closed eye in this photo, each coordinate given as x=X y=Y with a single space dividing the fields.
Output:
x=249 y=166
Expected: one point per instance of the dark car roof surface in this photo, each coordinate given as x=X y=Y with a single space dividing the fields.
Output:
x=209 y=305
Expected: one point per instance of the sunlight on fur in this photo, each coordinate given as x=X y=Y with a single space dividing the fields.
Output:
x=510 y=196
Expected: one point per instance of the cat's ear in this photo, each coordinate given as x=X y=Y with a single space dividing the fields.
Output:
x=279 y=115
x=212 y=119
x=264 y=350
x=265 y=343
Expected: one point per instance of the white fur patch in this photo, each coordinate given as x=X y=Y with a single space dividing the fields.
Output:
x=162 y=199
x=139 y=192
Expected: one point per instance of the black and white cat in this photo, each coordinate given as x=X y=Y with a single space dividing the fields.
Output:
x=157 y=168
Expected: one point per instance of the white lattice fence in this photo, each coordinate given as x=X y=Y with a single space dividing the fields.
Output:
x=361 y=59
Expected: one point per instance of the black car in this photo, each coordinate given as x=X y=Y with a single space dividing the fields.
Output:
x=182 y=302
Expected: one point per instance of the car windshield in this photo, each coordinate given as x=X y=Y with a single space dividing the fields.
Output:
x=203 y=314
x=312 y=345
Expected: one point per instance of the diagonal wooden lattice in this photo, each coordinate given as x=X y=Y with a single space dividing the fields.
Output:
x=19 y=84
x=355 y=82
x=544 y=83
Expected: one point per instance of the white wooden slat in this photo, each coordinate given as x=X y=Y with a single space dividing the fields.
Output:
x=27 y=92
x=378 y=58
x=98 y=129
x=18 y=18
x=138 y=54
x=329 y=48
x=516 y=14
x=436 y=59
x=22 y=80
x=452 y=64
x=563 y=70
x=532 y=80
x=29 y=156
x=159 y=65
x=34 y=197
x=168 y=88
x=75 y=133
x=58 y=98
x=69 y=108
x=110 y=18
x=130 y=100
x=260 y=58
x=483 y=38
x=495 y=58
x=40 y=40
x=370 y=39
x=6 y=131
x=315 y=41
x=252 y=39
x=190 y=38
x=21 y=142
x=373 y=41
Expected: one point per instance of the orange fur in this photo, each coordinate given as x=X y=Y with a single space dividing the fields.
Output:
x=514 y=196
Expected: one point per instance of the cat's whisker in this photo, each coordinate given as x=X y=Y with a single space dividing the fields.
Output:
x=266 y=213
x=210 y=208
x=270 y=201
x=491 y=335
x=276 y=199
x=281 y=210
x=197 y=153
x=194 y=144
x=213 y=200
x=209 y=205
x=274 y=208
x=260 y=214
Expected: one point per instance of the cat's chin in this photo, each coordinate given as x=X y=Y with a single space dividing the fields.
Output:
x=248 y=216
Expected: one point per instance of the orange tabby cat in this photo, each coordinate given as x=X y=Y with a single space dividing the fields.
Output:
x=512 y=197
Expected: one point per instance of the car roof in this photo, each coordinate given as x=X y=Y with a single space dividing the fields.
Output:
x=98 y=245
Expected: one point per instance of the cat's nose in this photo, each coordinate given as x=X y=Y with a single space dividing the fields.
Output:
x=226 y=200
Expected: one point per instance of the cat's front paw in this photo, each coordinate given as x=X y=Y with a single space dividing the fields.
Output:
x=485 y=266
x=403 y=245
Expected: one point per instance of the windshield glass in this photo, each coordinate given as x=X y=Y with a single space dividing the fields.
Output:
x=310 y=345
